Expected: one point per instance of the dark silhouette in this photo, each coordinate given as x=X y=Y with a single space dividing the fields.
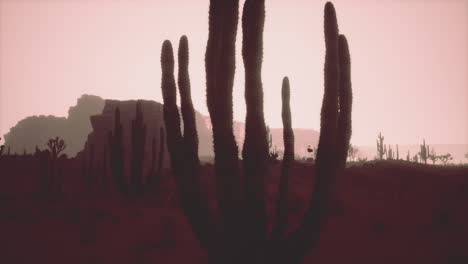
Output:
x=115 y=141
x=138 y=151
x=36 y=130
x=255 y=150
x=220 y=67
x=154 y=175
x=245 y=239
x=381 y=147
x=184 y=157
x=288 y=159
x=424 y=152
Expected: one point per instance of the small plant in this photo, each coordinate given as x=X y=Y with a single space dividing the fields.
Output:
x=445 y=158
x=362 y=159
x=56 y=146
x=272 y=151
x=433 y=156
x=352 y=152
x=2 y=147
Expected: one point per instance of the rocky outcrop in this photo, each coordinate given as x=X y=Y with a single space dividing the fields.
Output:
x=103 y=123
x=37 y=130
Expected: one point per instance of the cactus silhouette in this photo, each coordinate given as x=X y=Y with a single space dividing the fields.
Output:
x=288 y=159
x=241 y=236
x=423 y=152
x=381 y=148
x=138 y=151
x=183 y=154
x=255 y=150
x=115 y=139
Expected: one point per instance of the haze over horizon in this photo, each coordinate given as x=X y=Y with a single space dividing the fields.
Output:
x=409 y=60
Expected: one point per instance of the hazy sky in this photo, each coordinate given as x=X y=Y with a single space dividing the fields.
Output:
x=409 y=60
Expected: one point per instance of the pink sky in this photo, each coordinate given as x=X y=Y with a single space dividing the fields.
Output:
x=409 y=60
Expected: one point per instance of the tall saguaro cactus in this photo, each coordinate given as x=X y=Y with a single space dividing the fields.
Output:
x=255 y=151
x=241 y=236
x=183 y=149
x=220 y=68
x=335 y=132
x=288 y=158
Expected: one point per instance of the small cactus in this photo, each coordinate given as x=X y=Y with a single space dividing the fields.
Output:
x=381 y=148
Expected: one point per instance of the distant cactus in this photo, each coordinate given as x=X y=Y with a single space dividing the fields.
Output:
x=390 y=155
x=408 y=156
x=381 y=148
x=2 y=147
x=424 y=152
x=154 y=175
x=397 y=153
x=138 y=151
x=352 y=151
x=115 y=139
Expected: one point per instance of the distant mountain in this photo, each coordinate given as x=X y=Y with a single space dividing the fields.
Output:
x=37 y=130
x=92 y=117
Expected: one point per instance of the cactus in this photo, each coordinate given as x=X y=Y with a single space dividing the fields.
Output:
x=408 y=156
x=397 y=153
x=255 y=149
x=220 y=68
x=381 y=148
x=333 y=143
x=154 y=174
x=242 y=207
x=138 y=151
x=115 y=139
x=424 y=152
x=183 y=155
x=288 y=159
x=390 y=155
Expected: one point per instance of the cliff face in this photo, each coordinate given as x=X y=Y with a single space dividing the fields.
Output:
x=103 y=123
x=37 y=130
